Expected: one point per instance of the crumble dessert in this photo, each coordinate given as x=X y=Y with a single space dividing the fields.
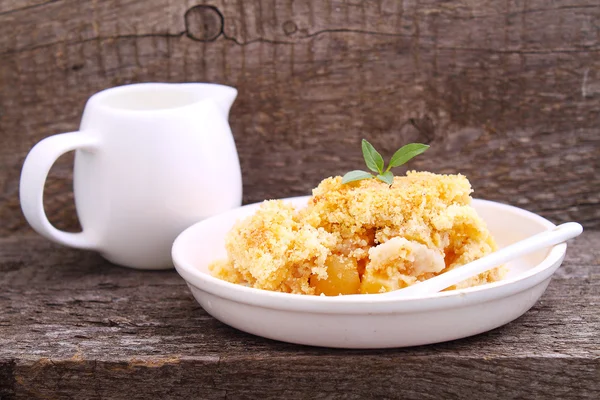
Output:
x=360 y=237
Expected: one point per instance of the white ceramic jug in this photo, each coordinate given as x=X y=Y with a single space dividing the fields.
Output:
x=150 y=160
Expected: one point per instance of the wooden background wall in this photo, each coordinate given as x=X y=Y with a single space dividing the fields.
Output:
x=506 y=92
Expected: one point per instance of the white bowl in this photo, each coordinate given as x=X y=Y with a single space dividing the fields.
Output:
x=370 y=321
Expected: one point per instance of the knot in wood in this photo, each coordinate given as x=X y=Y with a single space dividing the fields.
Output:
x=289 y=27
x=203 y=23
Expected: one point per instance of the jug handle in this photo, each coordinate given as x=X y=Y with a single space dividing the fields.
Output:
x=33 y=177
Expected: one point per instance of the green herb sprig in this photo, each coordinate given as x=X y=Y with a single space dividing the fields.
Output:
x=375 y=162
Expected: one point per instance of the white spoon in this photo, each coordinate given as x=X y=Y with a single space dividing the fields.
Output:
x=544 y=239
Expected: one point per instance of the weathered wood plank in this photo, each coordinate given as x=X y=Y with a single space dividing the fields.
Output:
x=299 y=378
x=505 y=92
x=73 y=325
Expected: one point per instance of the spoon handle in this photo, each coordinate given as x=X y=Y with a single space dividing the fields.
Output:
x=544 y=239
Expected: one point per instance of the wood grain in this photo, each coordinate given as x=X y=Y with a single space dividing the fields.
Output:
x=74 y=326
x=12 y=6
x=508 y=93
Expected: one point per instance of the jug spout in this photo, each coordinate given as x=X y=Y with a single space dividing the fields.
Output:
x=223 y=96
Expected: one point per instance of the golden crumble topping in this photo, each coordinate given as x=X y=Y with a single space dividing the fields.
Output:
x=360 y=237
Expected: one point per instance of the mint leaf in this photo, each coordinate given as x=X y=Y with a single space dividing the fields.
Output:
x=372 y=157
x=405 y=153
x=356 y=175
x=375 y=162
x=387 y=177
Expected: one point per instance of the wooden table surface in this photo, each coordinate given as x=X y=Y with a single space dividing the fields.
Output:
x=74 y=326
